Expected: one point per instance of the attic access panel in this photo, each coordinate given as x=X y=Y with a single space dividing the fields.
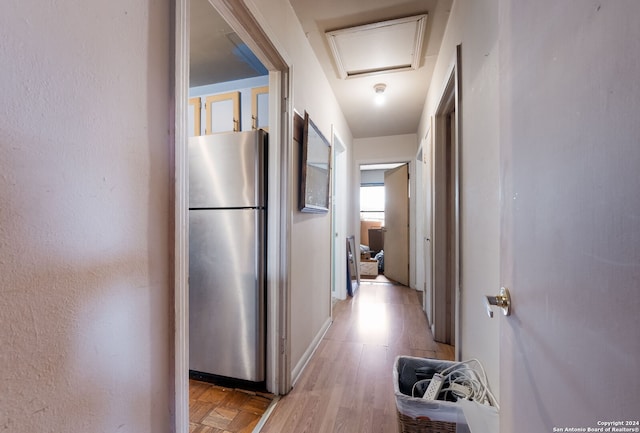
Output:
x=385 y=46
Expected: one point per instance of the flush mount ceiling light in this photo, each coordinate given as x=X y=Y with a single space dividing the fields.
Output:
x=379 y=89
x=385 y=46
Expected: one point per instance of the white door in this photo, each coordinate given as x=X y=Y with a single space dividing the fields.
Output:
x=419 y=235
x=428 y=221
x=396 y=222
x=570 y=158
x=339 y=220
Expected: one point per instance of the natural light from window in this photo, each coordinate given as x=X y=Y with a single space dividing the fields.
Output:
x=372 y=320
x=372 y=203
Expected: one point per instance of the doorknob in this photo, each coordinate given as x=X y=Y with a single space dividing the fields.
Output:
x=502 y=300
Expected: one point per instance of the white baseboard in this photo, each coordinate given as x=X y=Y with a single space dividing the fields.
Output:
x=306 y=356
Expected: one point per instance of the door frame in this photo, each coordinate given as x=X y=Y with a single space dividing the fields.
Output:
x=240 y=17
x=356 y=198
x=338 y=217
x=427 y=221
x=449 y=101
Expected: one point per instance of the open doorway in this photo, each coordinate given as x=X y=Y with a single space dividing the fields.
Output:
x=247 y=37
x=384 y=221
x=446 y=214
x=227 y=150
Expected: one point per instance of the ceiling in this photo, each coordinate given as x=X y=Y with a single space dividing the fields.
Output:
x=218 y=55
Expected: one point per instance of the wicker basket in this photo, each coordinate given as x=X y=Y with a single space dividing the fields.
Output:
x=406 y=424
x=416 y=415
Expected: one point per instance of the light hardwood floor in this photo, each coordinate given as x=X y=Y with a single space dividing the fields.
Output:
x=347 y=385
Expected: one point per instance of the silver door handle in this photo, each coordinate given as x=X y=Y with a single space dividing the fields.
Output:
x=502 y=300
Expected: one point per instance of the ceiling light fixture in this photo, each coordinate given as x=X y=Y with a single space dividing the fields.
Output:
x=379 y=89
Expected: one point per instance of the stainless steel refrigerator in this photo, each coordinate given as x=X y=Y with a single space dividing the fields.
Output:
x=227 y=255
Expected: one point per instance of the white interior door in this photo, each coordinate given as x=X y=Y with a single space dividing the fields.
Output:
x=570 y=352
x=428 y=221
x=418 y=214
x=396 y=221
x=339 y=220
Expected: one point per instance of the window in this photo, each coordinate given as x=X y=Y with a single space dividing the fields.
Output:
x=372 y=203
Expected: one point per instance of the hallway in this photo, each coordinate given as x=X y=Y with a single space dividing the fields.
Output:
x=347 y=385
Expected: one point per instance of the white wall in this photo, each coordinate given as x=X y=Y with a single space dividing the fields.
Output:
x=310 y=233
x=372 y=176
x=85 y=216
x=473 y=23
x=395 y=148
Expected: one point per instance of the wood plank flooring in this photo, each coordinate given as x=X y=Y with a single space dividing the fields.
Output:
x=347 y=385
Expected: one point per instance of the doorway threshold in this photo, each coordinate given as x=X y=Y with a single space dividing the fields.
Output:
x=267 y=413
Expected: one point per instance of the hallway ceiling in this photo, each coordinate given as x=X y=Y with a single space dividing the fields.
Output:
x=214 y=43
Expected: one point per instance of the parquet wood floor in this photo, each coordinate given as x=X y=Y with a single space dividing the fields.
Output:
x=215 y=409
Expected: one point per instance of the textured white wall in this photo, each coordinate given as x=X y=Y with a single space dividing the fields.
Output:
x=310 y=233
x=85 y=216
x=473 y=23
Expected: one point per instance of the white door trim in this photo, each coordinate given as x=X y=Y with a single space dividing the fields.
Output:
x=181 y=220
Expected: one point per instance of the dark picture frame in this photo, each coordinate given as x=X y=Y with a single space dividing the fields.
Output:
x=353 y=274
x=315 y=169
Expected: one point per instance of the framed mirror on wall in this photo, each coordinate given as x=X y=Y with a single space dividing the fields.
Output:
x=353 y=275
x=315 y=168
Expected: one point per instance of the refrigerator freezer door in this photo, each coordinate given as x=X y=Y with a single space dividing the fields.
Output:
x=227 y=170
x=226 y=293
